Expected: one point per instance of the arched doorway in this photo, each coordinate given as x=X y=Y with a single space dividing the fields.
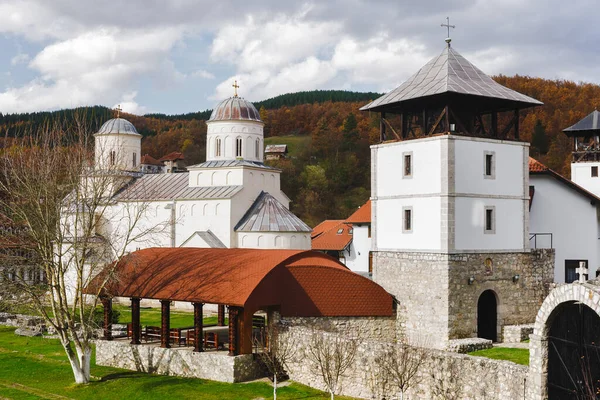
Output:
x=574 y=353
x=487 y=316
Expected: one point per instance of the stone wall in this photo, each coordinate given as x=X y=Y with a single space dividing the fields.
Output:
x=441 y=375
x=381 y=329
x=419 y=281
x=182 y=361
x=437 y=303
x=518 y=302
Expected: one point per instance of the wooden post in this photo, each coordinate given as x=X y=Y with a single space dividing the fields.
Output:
x=165 y=323
x=221 y=315
x=233 y=331
x=107 y=323
x=198 y=327
x=135 y=320
x=382 y=128
x=517 y=123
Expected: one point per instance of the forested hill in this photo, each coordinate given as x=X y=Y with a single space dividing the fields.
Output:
x=327 y=175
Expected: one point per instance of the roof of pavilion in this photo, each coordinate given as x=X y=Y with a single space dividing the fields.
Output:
x=302 y=283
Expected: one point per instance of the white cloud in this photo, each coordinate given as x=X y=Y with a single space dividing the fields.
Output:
x=129 y=105
x=201 y=73
x=20 y=58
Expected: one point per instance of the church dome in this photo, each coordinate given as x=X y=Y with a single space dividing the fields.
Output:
x=235 y=108
x=117 y=125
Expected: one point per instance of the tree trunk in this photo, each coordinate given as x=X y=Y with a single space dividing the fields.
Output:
x=80 y=363
x=275 y=386
x=332 y=395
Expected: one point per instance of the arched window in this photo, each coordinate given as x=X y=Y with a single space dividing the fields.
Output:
x=113 y=157
x=257 y=149
x=218 y=147
x=134 y=159
x=238 y=147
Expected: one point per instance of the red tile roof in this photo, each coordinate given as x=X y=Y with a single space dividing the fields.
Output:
x=362 y=215
x=148 y=159
x=334 y=235
x=302 y=283
x=174 y=156
x=536 y=166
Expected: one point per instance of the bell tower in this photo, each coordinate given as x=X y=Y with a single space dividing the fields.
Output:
x=450 y=195
x=585 y=135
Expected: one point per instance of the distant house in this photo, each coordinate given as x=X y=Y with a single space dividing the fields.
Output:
x=347 y=240
x=151 y=165
x=174 y=162
x=276 y=151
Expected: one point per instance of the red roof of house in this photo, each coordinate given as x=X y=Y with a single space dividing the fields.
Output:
x=333 y=235
x=302 y=283
x=362 y=215
x=147 y=159
x=174 y=156
x=536 y=166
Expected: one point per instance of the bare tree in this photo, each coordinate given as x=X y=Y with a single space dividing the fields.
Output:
x=50 y=187
x=400 y=364
x=332 y=355
x=276 y=350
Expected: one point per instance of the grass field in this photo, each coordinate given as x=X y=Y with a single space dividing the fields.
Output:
x=519 y=356
x=294 y=143
x=37 y=368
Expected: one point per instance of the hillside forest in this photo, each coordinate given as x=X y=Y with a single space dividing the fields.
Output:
x=327 y=174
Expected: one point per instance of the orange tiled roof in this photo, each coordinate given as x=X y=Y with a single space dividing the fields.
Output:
x=302 y=283
x=336 y=237
x=362 y=215
x=536 y=166
x=148 y=159
x=325 y=226
x=174 y=156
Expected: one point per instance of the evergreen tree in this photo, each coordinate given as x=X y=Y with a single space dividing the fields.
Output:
x=539 y=139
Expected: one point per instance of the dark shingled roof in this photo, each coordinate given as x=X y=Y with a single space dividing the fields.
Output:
x=267 y=214
x=590 y=123
x=450 y=72
x=235 y=108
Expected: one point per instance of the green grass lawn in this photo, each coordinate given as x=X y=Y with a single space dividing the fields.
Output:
x=151 y=316
x=518 y=356
x=37 y=368
x=294 y=143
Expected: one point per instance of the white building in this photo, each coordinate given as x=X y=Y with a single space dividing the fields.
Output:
x=231 y=200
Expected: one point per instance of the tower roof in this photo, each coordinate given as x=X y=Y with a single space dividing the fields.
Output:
x=117 y=125
x=235 y=108
x=450 y=72
x=269 y=215
x=590 y=123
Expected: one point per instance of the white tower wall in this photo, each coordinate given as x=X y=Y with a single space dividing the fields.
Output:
x=120 y=151
x=581 y=174
x=227 y=133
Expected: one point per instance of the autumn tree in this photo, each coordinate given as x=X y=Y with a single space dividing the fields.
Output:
x=51 y=189
x=539 y=140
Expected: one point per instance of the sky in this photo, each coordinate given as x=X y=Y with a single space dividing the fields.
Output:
x=179 y=56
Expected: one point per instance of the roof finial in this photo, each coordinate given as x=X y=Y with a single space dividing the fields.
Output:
x=447 y=25
x=235 y=88
x=118 y=109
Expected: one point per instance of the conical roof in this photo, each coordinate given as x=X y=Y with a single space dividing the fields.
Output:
x=269 y=215
x=590 y=123
x=450 y=73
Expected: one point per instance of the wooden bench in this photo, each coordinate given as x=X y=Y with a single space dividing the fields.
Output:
x=211 y=340
x=151 y=333
x=179 y=336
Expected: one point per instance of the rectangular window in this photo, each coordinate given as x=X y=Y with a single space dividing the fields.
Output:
x=407 y=170
x=489 y=165
x=407 y=223
x=369 y=231
x=489 y=219
x=113 y=157
x=594 y=172
x=134 y=159
x=571 y=274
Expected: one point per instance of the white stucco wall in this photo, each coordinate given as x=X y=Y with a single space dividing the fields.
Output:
x=581 y=174
x=228 y=132
x=124 y=145
x=571 y=219
x=274 y=240
x=357 y=258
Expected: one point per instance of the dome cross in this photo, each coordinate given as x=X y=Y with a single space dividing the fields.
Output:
x=235 y=88
x=447 y=25
x=118 y=109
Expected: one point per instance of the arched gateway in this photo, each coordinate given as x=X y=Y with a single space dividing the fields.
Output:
x=565 y=346
x=487 y=316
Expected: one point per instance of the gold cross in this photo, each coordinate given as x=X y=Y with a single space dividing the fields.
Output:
x=235 y=88
x=118 y=110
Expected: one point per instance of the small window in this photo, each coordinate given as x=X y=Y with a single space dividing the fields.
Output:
x=370 y=263
x=489 y=167
x=340 y=231
x=350 y=231
x=407 y=160
x=113 y=157
x=594 y=172
x=407 y=223
x=134 y=161
x=369 y=231
x=218 y=148
x=489 y=220
x=257 y=149
x=238 y=147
